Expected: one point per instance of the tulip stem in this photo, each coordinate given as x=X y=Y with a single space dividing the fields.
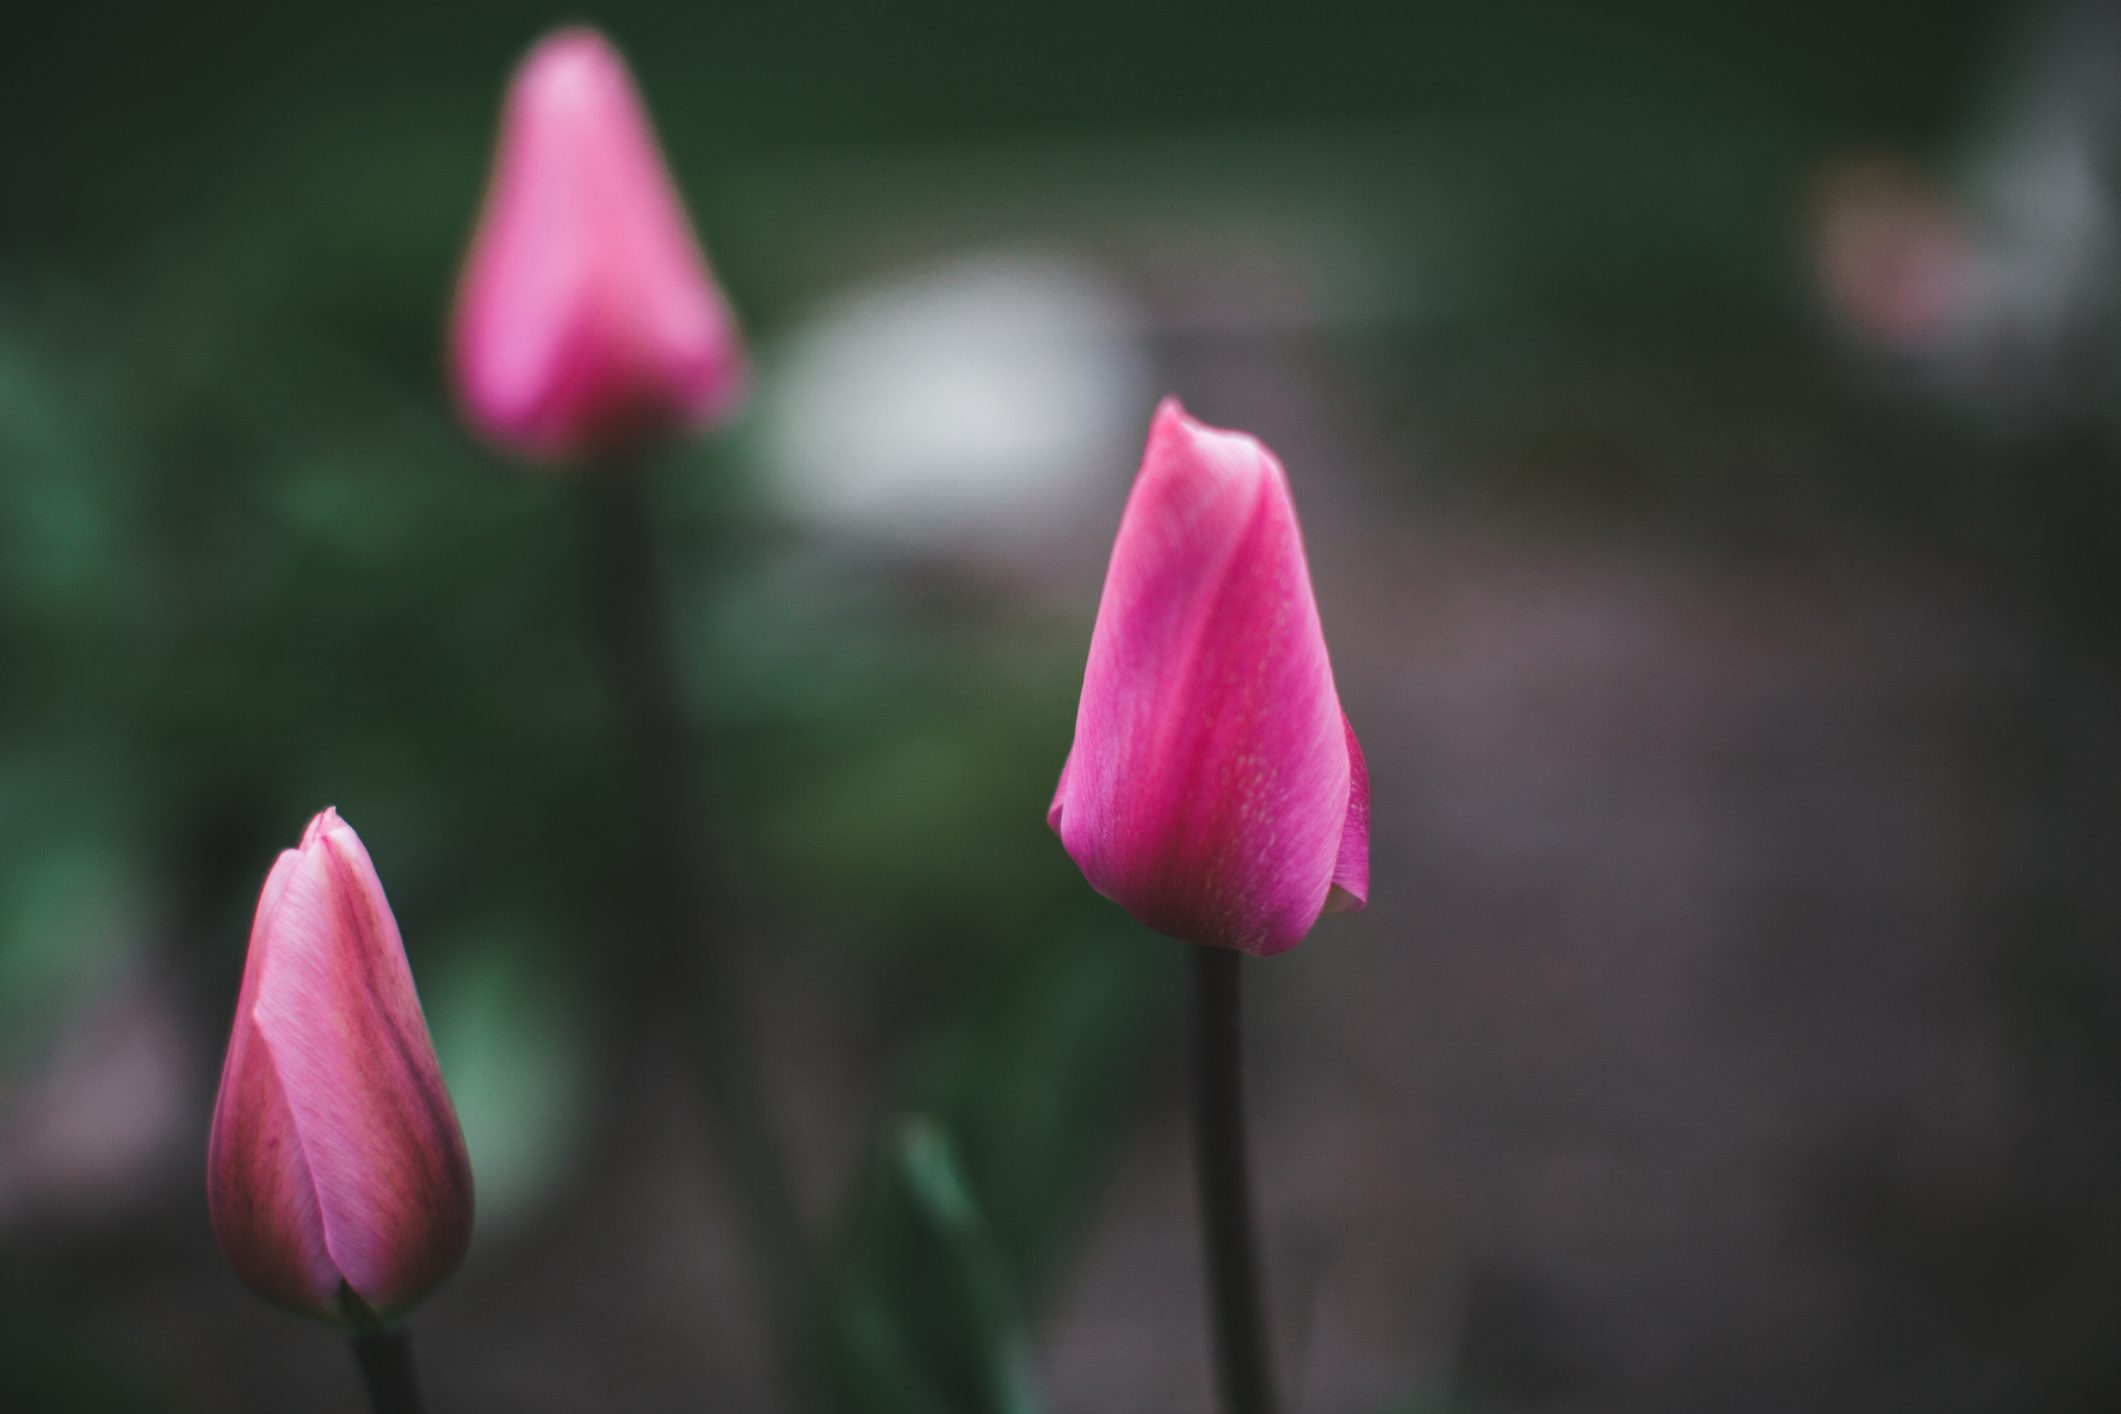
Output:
x=387 y=1370
x=699 y=945
x=1222 y=1174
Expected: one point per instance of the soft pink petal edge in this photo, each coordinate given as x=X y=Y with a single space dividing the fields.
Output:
x=1351 y=871
x=261 y=1198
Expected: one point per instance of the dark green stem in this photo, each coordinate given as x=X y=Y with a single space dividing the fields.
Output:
x=1243 y=1370
x=697 y=956
x=387 y=1370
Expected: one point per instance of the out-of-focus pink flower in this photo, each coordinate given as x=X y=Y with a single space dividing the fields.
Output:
x=336 y=1174
x=1215 y=790
x=1895 y=254
x=586 y=318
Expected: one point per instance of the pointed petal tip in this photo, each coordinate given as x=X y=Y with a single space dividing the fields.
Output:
x=1339 y=899
x=1350 y=890
x=1060 y=794
x=320 y=825
x=575 y=48
x=1172 y=423
x=574 y=74
x=1176 y=435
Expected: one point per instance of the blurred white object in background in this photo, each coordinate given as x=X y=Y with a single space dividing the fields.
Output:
x=965 y=410
x=2006 y=286
x=2041 y=181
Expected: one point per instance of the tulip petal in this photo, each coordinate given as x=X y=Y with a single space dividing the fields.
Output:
x=587 y=313
x=1351 y=871
x=260 y=1194
x=1060 y=797
x=1208 y=791
x=336 y=1011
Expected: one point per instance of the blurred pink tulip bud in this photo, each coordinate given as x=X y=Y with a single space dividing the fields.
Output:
x=586 y=319
x=1215 y=790
x=336 y=1174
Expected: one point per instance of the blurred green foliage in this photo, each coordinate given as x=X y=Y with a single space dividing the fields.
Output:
x=924 y=1318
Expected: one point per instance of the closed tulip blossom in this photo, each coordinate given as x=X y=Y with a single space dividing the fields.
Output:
x=336 y=1174
x=586 y=320
x=1215 y=789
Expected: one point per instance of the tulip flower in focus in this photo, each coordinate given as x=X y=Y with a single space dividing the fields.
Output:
x=586 y=318
x=1215 y=790
x=336 y=1175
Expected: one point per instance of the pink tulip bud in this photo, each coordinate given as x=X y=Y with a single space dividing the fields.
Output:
x=336 y=1175
x=1215 y=791
x=587 y=319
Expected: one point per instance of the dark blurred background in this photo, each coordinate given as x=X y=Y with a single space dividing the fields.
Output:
x=1704 y=420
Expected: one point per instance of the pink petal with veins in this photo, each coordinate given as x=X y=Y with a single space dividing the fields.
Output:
x=1215 y=789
